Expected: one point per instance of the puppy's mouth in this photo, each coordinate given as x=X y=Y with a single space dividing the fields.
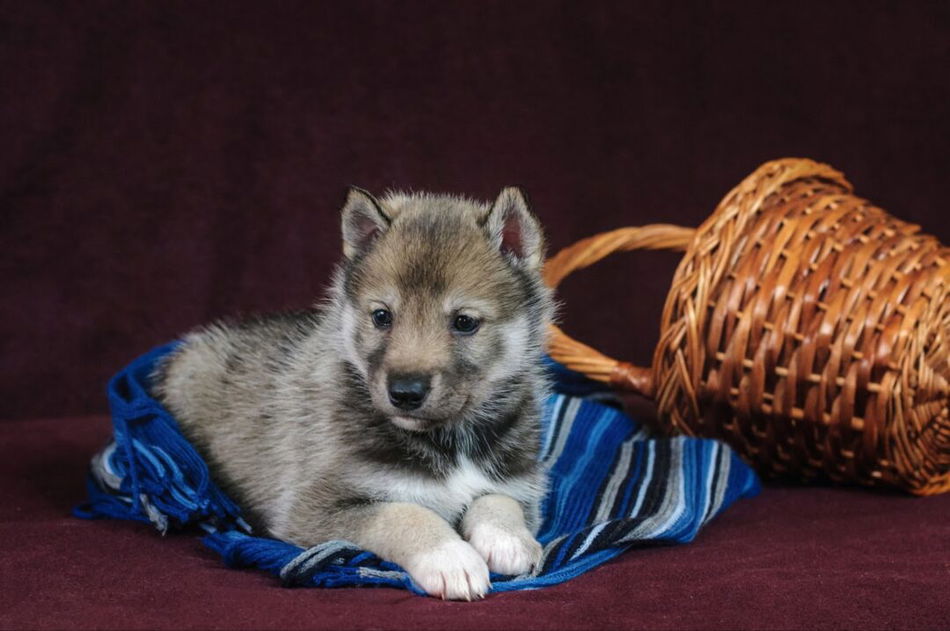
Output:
x=422 y=423
x=414 y=424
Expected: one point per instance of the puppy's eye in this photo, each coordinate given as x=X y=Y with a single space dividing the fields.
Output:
x=382 y=319
x=465 y=324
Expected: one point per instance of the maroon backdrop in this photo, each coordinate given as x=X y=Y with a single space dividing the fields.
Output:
x=166 y=163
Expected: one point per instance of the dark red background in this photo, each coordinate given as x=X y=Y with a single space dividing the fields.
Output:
x=166 y=163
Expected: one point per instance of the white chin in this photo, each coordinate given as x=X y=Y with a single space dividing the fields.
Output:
x=410 y=424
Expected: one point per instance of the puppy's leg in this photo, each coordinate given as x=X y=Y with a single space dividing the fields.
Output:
x=495 y=526
x=424 y=544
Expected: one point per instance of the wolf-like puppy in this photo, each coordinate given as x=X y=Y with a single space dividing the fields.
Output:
x=401 y=415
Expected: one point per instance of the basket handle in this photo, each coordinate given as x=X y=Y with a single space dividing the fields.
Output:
x=577 y=355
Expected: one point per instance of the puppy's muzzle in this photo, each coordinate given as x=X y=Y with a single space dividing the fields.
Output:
x=408 y=392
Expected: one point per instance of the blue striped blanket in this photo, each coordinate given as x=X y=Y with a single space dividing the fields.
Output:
x=612 y=487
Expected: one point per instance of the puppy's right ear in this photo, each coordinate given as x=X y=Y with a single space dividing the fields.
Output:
x=363 y=222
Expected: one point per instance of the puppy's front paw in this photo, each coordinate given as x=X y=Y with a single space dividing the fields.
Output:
x=453 y=571
x=506 y=551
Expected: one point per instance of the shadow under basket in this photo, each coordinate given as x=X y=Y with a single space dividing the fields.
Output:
x=805 y=327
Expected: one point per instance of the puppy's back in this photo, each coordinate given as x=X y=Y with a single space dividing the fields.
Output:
x=220 y=385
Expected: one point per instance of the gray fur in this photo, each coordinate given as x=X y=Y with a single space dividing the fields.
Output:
x=292 y=413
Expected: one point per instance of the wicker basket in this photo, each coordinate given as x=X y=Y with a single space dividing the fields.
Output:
x=805 y=327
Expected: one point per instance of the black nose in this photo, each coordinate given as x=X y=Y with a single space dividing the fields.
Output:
x=407 y=392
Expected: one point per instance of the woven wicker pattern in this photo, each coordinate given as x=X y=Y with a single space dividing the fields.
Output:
x=804 y=326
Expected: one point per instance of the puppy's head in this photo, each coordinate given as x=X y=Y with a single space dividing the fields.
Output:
x=442 y=301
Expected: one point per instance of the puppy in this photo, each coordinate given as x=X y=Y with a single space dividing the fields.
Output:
x=403 y=413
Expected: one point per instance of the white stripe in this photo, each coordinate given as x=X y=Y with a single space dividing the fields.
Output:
x=617 y=477
x=551 y=425
x=590 y=538
x=651 y=458
x=724 y=466
x=561 y=439
x=674 y=500
x=708 y=489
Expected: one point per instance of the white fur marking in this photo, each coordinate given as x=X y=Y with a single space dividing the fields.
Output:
x=507 y=551
x=348 y=323
x=449 y=497
x=452 y=570
x=409 y=424
x=515 y=348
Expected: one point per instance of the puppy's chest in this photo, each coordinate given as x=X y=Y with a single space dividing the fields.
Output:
x=449 y=496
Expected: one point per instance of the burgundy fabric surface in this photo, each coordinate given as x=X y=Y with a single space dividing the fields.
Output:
x=818 y=558
x=166 y=163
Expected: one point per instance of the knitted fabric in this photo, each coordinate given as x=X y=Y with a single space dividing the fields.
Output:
x=611 y=487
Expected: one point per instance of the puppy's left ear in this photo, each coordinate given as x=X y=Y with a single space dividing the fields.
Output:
x=514 y=230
